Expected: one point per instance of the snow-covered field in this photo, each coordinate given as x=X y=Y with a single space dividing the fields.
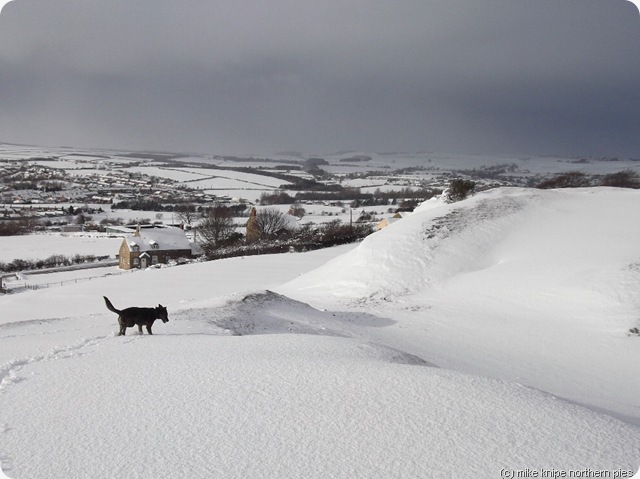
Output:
x=487 y=338
x=41 y=246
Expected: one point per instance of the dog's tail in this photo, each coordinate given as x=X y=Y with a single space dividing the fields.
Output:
x=110 y=306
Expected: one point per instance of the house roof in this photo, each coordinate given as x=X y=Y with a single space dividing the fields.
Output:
x=384 y=222
x=388 y=220
x=164 y=238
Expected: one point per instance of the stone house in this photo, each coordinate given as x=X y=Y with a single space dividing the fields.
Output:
x=151 y=246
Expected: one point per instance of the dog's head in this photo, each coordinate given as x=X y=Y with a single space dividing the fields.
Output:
x=161 y=313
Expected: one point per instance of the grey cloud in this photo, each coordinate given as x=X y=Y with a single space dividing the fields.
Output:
x=495 y=76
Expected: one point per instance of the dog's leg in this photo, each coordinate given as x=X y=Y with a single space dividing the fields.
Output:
x=123 y=326
x=148 y=328
x=140 y=328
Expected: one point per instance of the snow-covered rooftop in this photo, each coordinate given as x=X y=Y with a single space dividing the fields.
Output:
x=161 y=239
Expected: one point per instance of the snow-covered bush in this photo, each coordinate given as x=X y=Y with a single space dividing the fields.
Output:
x=459 y=189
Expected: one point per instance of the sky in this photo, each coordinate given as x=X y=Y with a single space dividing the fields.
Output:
x=253 y=77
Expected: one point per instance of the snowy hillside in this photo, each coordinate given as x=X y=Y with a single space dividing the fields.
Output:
x=539 y=287
x=465 y=340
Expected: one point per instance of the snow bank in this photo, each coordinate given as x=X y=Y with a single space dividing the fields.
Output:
x=283 y=406
x=538 y=235
x=538 y=287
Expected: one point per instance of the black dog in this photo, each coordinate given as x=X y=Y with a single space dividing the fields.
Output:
x=141 y=316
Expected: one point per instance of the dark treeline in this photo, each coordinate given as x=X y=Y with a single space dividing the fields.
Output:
x=578 y=179
x=16 y=227
x=53 y=261
x=308 y=237
x=378 y=197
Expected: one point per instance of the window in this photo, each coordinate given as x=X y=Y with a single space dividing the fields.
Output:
x=154 y=259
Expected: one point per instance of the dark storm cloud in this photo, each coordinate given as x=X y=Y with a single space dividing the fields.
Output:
x=497 y=76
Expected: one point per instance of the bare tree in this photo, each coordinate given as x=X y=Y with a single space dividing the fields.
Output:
x=266 y=225
x=217 y=229
x=297 y=210
x=186 y=212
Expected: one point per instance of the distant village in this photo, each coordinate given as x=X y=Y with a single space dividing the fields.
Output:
x=35 y=197
x=36 y=191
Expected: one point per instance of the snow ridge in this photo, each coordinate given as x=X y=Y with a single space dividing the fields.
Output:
x=435 y=243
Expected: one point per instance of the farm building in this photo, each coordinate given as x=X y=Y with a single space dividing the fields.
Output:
x=387 y=221
x=152 y=246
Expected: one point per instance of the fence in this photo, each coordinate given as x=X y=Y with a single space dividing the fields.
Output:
x=19 y=287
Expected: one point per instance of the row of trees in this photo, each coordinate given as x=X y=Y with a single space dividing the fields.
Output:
x=53 y=261
x=268 y=229
x=355 y=197
x=459 y=188
x=308 y=237
x=578 y=179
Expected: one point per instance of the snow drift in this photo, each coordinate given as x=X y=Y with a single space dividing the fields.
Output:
x=322 y=364
x=540 y=287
